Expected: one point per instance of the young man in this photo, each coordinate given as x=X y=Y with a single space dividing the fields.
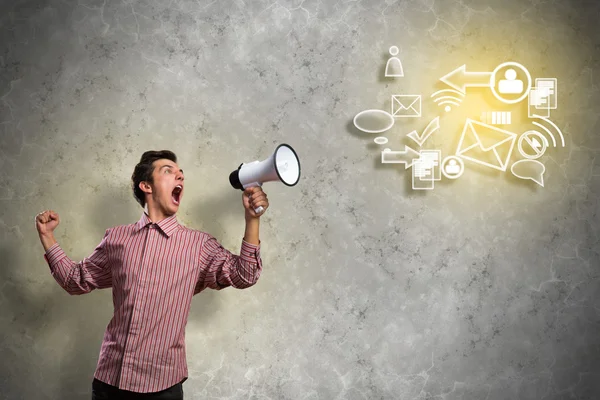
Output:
x=154 y=267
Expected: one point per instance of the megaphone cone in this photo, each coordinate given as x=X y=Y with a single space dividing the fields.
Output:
x=283 y=165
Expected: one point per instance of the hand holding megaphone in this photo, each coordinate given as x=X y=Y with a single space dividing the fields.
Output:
x=255 y=201
x=283 y=165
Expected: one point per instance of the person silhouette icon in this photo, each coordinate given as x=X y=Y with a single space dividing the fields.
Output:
x=452 y=167
x=510 y=85
x=393 y=68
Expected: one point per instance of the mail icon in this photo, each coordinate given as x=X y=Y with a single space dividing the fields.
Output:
x=406 y=105
x=486 y=145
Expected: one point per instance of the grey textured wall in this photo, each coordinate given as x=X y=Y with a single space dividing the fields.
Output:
x=484 y=288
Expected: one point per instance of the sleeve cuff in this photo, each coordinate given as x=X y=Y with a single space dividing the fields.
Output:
x=54 y=254
x=250 y=252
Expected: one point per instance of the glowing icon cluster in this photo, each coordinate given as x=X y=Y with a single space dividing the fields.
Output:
x=486 y=142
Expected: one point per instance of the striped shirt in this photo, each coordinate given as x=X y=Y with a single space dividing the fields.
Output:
x=154 y=269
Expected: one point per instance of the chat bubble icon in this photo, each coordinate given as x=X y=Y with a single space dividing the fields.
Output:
x=529 y=169
x=373 y=121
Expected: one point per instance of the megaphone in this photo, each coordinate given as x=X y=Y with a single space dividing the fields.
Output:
x=283 y=166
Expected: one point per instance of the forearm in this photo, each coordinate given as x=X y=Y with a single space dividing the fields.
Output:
x=251 y=232
x=93 y=272
x=47 y=240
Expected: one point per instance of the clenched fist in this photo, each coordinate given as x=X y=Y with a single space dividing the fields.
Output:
x=46 y=222
x=254 y=197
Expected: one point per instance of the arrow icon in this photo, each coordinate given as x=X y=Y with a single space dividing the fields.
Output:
x=406 y=157
x=459 y=79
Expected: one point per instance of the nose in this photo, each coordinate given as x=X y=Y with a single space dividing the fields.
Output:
x=180 y=176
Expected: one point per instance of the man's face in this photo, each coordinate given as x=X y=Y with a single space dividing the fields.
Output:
x=167 y=189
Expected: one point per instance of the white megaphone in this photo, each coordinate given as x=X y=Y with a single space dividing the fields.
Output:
x=283 y=165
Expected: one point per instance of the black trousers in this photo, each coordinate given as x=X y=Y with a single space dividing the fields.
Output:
x=104 y=391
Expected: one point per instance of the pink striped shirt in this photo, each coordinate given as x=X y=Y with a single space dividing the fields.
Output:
x=154 y=269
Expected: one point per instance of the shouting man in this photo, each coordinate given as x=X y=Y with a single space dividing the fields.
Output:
x=154 y=267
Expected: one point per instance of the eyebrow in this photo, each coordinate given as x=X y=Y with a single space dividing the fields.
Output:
x=169 y=166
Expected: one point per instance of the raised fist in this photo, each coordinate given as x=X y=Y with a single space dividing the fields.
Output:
x=46 y=222
x=254 y=197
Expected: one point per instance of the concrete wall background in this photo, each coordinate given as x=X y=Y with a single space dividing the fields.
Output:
x=485 y=288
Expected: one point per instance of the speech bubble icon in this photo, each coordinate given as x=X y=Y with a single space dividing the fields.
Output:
x=529 y=169
x=373 y=121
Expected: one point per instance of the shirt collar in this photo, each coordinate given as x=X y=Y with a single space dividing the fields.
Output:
x=168 y=225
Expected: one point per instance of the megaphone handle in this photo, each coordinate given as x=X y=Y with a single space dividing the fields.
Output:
x=258 y=209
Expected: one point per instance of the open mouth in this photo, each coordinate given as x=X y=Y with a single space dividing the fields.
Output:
x=176 y=194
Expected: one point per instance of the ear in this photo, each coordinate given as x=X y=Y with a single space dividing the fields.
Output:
x=145 y=187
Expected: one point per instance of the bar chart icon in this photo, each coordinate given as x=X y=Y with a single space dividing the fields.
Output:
x=496 y=117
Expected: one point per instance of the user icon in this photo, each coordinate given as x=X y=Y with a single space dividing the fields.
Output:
x=452 y=167
x=394 y=65
x=510 y=85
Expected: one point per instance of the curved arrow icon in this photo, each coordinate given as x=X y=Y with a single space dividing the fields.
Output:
x=460 y=79
x=406 y=157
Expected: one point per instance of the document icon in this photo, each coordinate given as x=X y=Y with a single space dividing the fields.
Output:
x=486 y=144
x=406 y=105
x=422 y=175
x=548 y=84
x=426 y=170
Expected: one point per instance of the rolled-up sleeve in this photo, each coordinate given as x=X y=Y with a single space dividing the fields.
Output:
x=91 y=273
x=220 y=268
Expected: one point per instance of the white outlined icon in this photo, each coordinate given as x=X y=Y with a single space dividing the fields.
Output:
x=406 y=105
x=460 y=79
x=496 y=117
x=509 y=81
x=448 y=98
x=549 y=84
x=426 y=170
x=529 y=169
x=510 y=84
x=512 y=88
x=373 y=121
x=380 y=140
x=545 y=129
x=422 y=175
x=532 y=145
x=433 y=126
x=486 y=144
x=435 y=156
x=538 y=103
x=452 y=167
x=393 y=67
x=406 y=156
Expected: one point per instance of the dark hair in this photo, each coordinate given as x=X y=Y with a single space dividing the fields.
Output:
x=144 y=169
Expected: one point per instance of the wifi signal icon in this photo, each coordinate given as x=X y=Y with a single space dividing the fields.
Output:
x=448 y=97
x=545 y=129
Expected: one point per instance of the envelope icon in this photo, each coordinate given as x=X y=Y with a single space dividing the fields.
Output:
x=406 y=105
x=486 y=145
